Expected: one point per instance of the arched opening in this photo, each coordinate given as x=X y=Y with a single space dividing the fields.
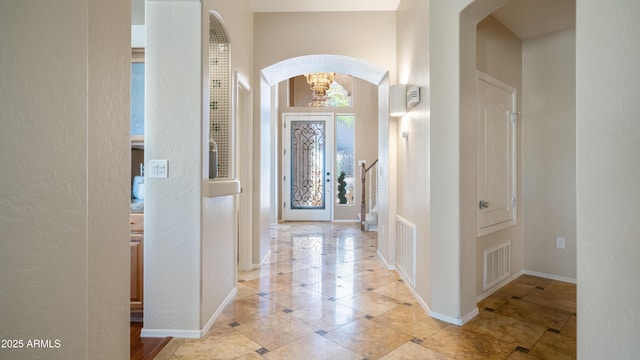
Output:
x=266 y=195
x=220 y=124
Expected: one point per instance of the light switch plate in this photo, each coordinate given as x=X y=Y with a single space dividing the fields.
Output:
x=158 y=169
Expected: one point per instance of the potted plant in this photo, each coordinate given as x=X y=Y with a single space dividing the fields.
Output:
x=342 y=189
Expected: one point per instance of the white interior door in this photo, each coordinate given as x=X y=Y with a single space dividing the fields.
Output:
x=496 y=155
x=307 y=166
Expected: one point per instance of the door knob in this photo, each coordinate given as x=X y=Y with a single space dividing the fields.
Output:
x=484 y=204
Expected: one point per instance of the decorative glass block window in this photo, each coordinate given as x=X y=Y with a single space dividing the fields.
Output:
x=220 y=95
x=345 y=159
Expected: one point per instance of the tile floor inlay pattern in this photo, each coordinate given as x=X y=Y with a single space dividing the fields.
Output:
x=324 y=293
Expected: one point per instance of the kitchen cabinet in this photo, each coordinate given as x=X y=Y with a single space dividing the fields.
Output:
x=136 y=243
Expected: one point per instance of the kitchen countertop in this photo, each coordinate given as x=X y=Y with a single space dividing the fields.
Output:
x=137 y=206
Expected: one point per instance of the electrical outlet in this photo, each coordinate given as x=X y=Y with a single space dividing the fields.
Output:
x=159 y=169
x=560 y=242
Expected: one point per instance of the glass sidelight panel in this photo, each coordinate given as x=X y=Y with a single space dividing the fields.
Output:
x=345 y=159
x=308 y=164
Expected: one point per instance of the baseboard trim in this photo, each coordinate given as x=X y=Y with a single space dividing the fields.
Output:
x=445 y=318
x=551 y=276
x=470 y=315
x=264 y=259
x=415 y=294
x=189 y=334
x=436 y=315
x=498 y=286
x=455 y=321
x=183 y=334
x=386 y=264
x=215 y=315
x=346 y=221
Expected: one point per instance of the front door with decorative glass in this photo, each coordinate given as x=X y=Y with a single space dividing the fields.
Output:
x=307 y=166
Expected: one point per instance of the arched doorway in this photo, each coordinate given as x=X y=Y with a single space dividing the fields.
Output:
x=266 y=195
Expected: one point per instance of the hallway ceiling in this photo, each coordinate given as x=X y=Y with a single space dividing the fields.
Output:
x=526 y=18
x=325 y=5
x=531 y=18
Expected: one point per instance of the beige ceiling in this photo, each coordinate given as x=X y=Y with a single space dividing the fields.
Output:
x=323 y=5
x=531 y=18
x=526 y=18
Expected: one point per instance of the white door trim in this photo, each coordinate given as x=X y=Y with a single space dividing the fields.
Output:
x=245 y=172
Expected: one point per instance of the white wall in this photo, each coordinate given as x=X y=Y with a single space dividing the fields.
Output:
x=444 y=258
x=452 y=70
x=607 y=144
x=413 y=154
x=190 y=240
x=499 y=54
x=549 y=153
x=64 y=185
x=219 y=225
x=219 y=254
x=173 y=131
x=608 y=154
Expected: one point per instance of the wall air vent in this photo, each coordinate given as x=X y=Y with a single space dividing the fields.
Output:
x=413 y=96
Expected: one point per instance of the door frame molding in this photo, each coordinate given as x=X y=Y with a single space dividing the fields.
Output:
x=245 y=172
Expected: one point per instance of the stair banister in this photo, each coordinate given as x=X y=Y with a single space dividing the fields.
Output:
x=363 y=203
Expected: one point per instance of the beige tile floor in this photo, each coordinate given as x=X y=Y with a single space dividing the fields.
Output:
x=325 y=294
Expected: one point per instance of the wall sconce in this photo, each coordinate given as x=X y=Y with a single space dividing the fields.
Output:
x=397 y=100
x=402 y=97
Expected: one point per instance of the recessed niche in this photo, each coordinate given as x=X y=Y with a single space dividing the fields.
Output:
x=220 y=95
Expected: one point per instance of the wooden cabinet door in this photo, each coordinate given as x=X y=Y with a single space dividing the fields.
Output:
x=496 y=165
x=136 y=243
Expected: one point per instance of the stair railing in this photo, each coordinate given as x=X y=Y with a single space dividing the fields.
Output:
x=369 y=173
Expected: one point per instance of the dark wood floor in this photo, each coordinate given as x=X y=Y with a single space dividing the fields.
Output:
x=145 y=348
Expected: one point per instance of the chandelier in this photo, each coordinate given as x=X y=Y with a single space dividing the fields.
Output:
x=319 y=83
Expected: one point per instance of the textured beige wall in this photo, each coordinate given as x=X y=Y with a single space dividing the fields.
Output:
x=173 y=132
x=109 y=157
x=220 y=220
x=444 y=94
x=499 y=54
x=184 y=292
x=368 y=36
x=452 y=37
x=608 y=154
x=64 y=188
x=413 y=155
x=549 y=153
